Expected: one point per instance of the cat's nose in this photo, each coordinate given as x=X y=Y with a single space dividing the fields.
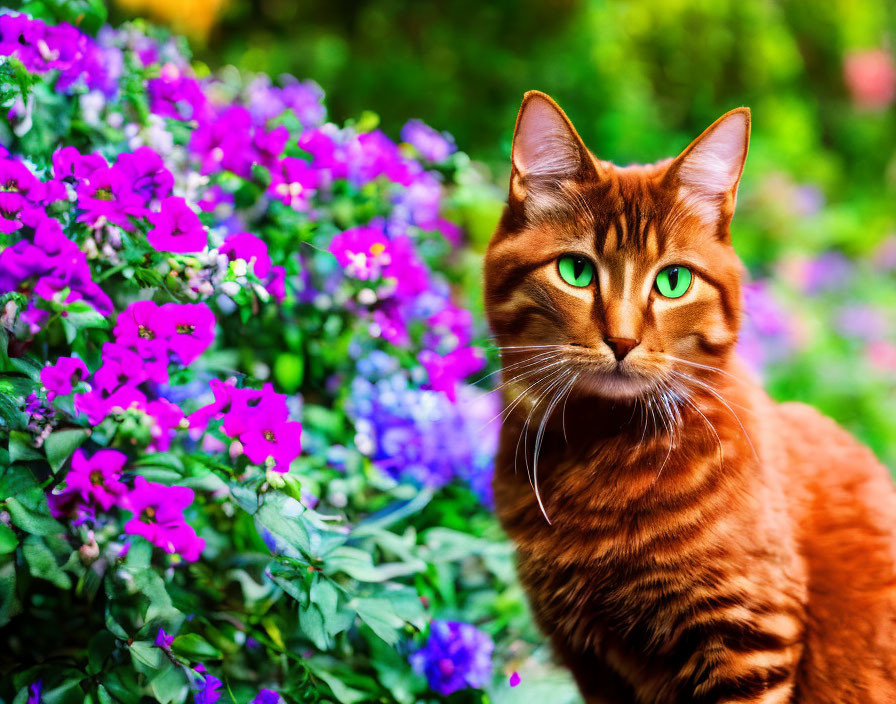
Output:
x=621 y=346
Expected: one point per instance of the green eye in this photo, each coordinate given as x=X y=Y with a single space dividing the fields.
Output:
x=575 y=270
x=673 y=281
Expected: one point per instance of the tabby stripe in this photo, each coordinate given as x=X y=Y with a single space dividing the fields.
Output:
x=746 y=686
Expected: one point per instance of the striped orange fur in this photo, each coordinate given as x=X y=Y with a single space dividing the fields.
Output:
x=682 y=537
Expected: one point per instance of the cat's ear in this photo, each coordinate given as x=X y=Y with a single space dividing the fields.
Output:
x=708 y=172
x=547 y=151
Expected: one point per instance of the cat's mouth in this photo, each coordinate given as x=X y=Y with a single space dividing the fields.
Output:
x=619 y=382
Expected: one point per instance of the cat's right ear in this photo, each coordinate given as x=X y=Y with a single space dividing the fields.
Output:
x=547 y=152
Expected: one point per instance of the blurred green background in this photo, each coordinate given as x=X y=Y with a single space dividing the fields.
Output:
x=816 y=221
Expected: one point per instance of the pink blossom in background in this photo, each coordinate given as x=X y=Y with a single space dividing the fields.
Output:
x=870 y=77
x=882 y=354
x=447 y=371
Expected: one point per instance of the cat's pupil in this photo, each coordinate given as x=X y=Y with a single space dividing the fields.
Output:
x=673 y=278
x=578 y=266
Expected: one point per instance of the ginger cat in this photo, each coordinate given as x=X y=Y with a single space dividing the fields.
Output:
x=682 y=537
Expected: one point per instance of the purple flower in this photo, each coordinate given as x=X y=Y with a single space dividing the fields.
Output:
x=828 y=272
x=163 y=640
x=515 y=679
x=456 y=656
x=266 y=696
x=766 y=333
x=194 y=329
x=60 y=378
x=266 y=101
x=176 y=95
x=208 y=692
x=98 y=478
x=34 y=689
x=862 y=322
x=419 y=435
x=250 y=249
x=158 y=517
x=446 y=371
x=176 y=228
x=431 y=145
x=224 y=143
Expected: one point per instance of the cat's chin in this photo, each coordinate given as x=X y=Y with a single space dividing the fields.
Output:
x=614 y=385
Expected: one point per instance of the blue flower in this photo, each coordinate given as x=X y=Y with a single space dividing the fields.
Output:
x=456 y=656
x=419 y=436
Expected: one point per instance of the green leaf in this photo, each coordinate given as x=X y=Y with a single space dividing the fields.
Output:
x=8 y=539
x=312 y=623
x=358 y=564
x=21 y=449
x=9 y=600
x=325 y=596
x=281 y=515
x=343 y=693
x=61 y=444
x=380 y=616
x=194 y=647
x=31 y=513
x=42 y=563
x=145 y=653
x=169 y=685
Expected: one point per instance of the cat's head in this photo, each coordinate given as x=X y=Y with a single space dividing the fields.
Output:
x=624 y=276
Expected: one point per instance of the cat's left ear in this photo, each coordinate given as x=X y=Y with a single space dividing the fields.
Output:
x=708 y=172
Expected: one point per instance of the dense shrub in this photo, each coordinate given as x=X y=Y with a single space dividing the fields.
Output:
x=241 y=458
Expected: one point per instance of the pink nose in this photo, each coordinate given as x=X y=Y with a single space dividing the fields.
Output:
x=621 y=346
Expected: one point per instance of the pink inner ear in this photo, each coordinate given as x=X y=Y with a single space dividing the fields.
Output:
x=544 y=145
x=714 y=164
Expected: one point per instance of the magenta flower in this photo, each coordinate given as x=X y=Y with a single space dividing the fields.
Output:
x=143 y=320
x=147 y=174
x=293 y=181
x=270 y=434
x=133 y=363
x=223 y=395
x=163 y=640
x=250 y=249
x=158 y=517
x=176 y=228
x=249 y=405
x=224 y=143
x=194 y=329
x=445 y=372
x=70 y=164
x=106 y=196
x=60 y=378
x=98 y=478
x=166 y=418
x=362 y=251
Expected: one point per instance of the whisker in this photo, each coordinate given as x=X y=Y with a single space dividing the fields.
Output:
x=724 y=403
x=538 y=440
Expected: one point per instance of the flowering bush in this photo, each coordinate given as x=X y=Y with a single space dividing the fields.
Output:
x=240 y=458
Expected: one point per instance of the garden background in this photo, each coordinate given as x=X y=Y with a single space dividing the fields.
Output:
x=226 y=252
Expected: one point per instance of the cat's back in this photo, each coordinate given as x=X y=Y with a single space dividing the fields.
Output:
x=844 y=504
